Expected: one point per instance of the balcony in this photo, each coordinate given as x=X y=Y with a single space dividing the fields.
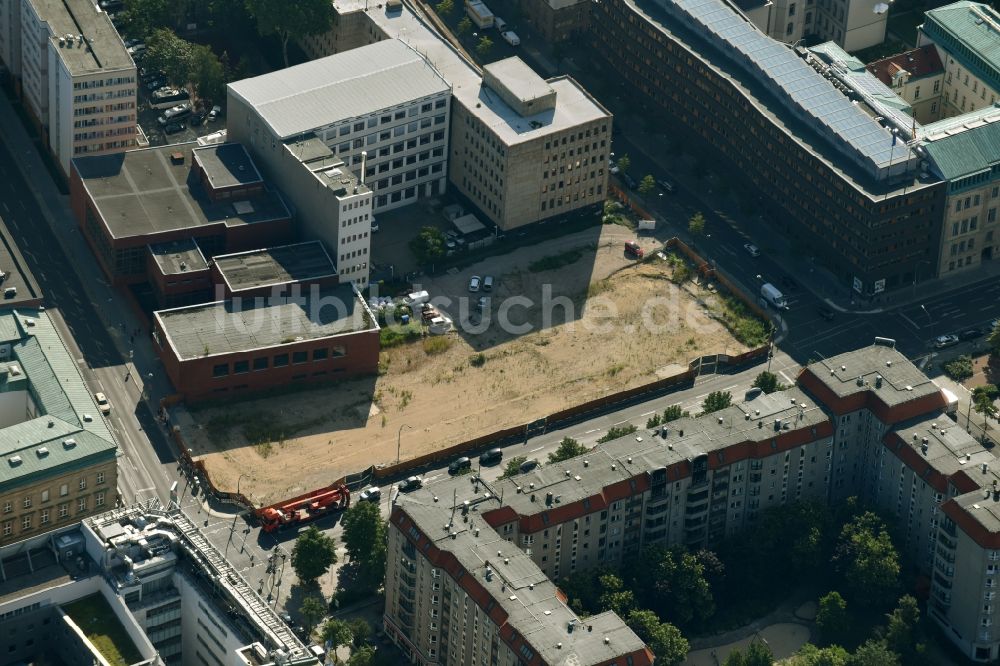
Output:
x=406 y=605
x=942 y=581
x=409 y=581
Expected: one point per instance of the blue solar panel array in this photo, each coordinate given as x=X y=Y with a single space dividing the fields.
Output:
x=812 y=97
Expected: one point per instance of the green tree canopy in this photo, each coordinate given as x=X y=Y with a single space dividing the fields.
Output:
x=445 y=7
x=696 y=225
x=874 y=653
x=614 y=596
x=484 y=46
x=982 y=402
x=360 y=631
x=429 y=245
x=768 y=382
x=994 y=340
x=513 y=467
x=670 y=582
x=207 y=74
x=810 y=655
x=833 y=618
x=142 y=17
x=902 y=634
x=337 y=632
x=755 y=654
x=867 y=560
x=364 y=656
x=312 y=554
x=716 y=400
x=465 y=25
x=663 y=638
x=313 y=608
x=673 y=412
x=614 y=432
x=291 y=20
x=647 y=185
x=568 y=448
x=169 y=53
x=365 y=541
x=624 y=163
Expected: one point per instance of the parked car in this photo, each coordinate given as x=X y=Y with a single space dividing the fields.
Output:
x=629 y=181
x=410 y=484
x=370 y=494
x=198 y=119
x=474 y=283
x=102 y=403
x=632 y=249
x=970 y=334
x=173 y=128
x=528 y=465
x=613 y=168
x=826 y=313
x=491 y=457
x=943 y=341
x=488 y=283
x=215 y=113
x=156 y=84
x=459 y=466
x=751 y=249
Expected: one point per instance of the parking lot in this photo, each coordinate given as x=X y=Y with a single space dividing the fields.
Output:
x=190 y=131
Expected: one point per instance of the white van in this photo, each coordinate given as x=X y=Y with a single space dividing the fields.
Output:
x=416 y=298
x=511 y=37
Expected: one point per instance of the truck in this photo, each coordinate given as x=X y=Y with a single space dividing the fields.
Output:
x=479 y=13
x=511 y=37
x=416 y=298
x=168 y=97
x=304 y=508
x=772 y=295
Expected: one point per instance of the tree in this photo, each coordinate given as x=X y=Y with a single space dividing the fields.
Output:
x=756 y=654
x=365 y=541
x=361 y=631
x=513 y=467
x=484 y=46
x=983 y=404
x=141 y=17
x=624 y=162
x=993 y=340
x=768 y=382
x=568 y=448
x=312 y=555
x=716 y=400
x=445 y=7
x=429 y=245
x=902 y=632
x=337 y=632
x=673 y=412
x=867 y=560
x=874 y=653
x=696 y=225
x=663 y=638
x=364 y=656
x=614 y=596
x=464 y=26
x=671 y=582
x=959 y=369
x=810 y=655
x=291 y=20
x=647 y=185
x=207 y=74
x=169 y=53
x=614 y=432
x=313 y=609
x=832 y=617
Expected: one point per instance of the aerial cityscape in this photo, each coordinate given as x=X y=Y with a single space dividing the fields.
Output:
x=499 y=333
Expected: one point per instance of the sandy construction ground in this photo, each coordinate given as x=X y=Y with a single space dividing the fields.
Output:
x=615 y=324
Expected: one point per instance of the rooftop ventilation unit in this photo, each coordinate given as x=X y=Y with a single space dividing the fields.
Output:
x=69 y=443
x=14 y=461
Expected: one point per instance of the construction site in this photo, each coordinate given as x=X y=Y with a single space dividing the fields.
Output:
x=629 y=325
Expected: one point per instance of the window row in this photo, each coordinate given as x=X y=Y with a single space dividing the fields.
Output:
x=277 y=361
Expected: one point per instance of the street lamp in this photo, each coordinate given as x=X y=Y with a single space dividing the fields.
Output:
x=399 y=434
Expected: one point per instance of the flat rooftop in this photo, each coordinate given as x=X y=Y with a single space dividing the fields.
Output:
x=574 y=105
x=106 y=51
x=148 y=191
x=901 y=380
x=340 y=87
x=226 y=327
x=177 y=257
x=275 y=266
x=227 y=165
x=530 y=600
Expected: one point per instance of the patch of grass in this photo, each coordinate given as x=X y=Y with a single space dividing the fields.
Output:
x=404 y=399
x=477 y=360
x=437 y=345
x=959 y=369
x=264 y=449
x=556 y=261
x=598 y=287
x=615 y=369
x=98 y=622
x=393 y=336
x=745 y=326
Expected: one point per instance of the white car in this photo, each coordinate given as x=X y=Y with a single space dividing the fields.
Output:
x=752 y=249
x=370 y=494
x=474 y=282
x=613 y=168
x=943 y=341
x=102 y=403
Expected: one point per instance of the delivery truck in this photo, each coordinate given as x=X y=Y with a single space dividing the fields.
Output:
x=479 y=13
x=774 y=297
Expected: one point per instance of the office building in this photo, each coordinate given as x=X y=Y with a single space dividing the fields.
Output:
x=457 y=592
x=59 y=456
x=522 y=149
x=830 y=171
x=383 y=101
x=557 y=20
x=150 y=584
x=76 y=78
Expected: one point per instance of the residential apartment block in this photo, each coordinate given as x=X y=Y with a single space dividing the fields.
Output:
x=165 y=594
x=557 y=20
x=76 y=78
x=522 y=149
x=384 y=102
x=59 y=456
x=832 y=169
x=867 y=423
x=851 y=24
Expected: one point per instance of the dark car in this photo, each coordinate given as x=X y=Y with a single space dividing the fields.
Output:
x=528 y=465
x=198 y=119
x=173 y=128
x=970 y=334
x=826 y=313
x=491 y=457
x=156 y=84
x=411 y=483
x=459 y=466
x=629 y=181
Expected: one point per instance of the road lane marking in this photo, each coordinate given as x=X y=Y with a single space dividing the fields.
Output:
x=648 y=413
x=538 y=449
x=590 y=431
x=785 y=377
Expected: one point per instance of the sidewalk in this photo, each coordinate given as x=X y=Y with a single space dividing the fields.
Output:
x=111 y=307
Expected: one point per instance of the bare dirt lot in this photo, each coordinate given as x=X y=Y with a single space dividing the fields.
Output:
x=615 y=324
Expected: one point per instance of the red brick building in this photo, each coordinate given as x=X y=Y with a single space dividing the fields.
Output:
x=127 y=202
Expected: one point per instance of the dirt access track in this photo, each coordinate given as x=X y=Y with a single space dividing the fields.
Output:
x=608 y=324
